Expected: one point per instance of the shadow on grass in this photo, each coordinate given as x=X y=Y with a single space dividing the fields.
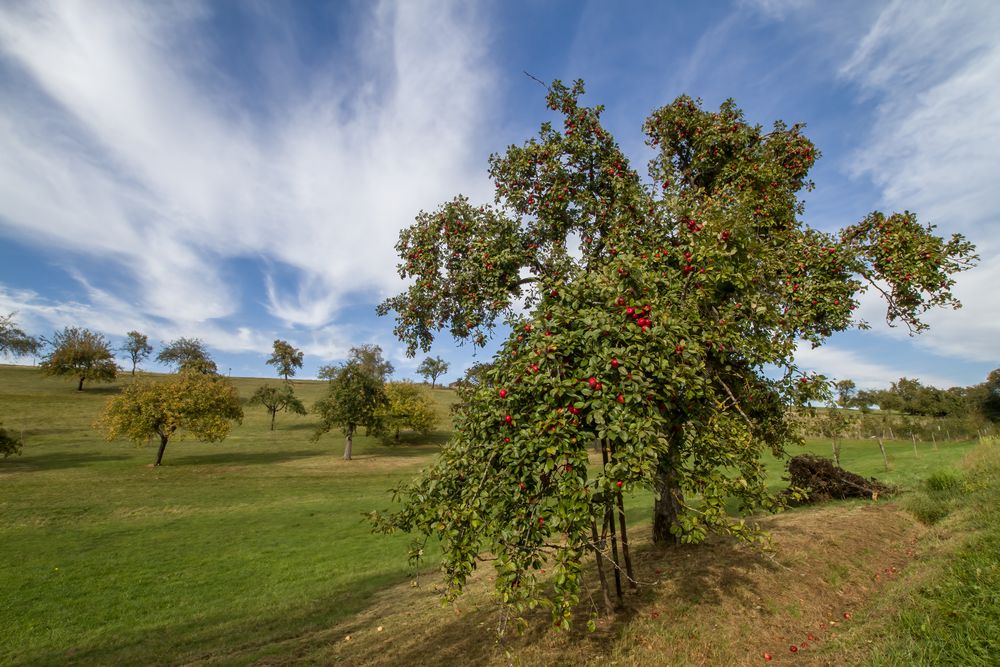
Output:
x=56 y=461
x=223 y=639
x=238 y=458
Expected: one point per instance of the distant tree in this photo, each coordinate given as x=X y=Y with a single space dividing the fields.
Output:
x=408 y=408
x=368 y=356
x=432 y=368
x=82 y=354
x=204 y=405
x=278 y=399
x=187 y=354
x=13 y=340
x=137 y=347
x=8 y=443
x=356 y=397
x=991 y=396
x=285 y=359
x=846 y=393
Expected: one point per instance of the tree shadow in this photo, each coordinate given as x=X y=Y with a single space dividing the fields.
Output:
x=30 y=462
x=238 y=458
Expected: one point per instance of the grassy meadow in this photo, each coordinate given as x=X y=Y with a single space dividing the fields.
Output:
x=254 y=550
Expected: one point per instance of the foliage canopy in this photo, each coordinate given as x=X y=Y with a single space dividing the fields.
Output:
x=81 y=354
x=187 y=354
x=204 y=405
x=652 y=309
x=285 y=358
x=13 y=339
x=278 y=399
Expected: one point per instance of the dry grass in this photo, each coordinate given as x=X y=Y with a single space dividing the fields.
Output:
x=720 y=603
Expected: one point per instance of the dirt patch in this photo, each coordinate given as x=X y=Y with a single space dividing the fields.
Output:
x=719 y=603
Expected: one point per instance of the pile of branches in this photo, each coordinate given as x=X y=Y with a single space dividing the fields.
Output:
x=822 y=480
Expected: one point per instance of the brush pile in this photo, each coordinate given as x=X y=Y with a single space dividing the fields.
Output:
x=825 y=481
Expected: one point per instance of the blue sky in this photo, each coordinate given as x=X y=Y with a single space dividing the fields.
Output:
x=239 y=171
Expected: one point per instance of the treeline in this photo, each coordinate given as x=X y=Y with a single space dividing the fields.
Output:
x=910 y=397
x=199 y=401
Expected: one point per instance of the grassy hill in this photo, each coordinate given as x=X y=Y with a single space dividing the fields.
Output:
x=254 y=550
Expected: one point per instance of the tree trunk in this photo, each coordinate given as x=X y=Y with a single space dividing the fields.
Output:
x=79 y=387
x=133 y=369
x=597 y=545
x=163 y=446
x=274 y=413
x=669 y=505
x=349 y=444
x=433 y=382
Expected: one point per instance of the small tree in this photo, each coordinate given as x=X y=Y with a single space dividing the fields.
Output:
x=846 y=393
x=187 y=354
x=356 y=398
x=13 y=340
x=278 y=399
x=408 y=408
x=8 y=443
x=432 y=368
x=137 y=347
x=82 y=354
x=285 y=359
x=204 y=405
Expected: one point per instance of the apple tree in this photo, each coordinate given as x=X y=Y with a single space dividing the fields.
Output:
x=278 y=399
x=432 y=368
x=285 y=359
x=187 y=354
x=13 y=339
x=204 y=405
x=355 y=398
x=137 y=347
x=657 y=316
x=81 y=354
x=8 y=443
x=407 y=407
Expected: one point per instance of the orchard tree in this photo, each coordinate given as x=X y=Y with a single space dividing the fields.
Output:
x=13 y=340
x=990 y=404
x=137 y=347
x=355 y=398
x=278 y=399
x=648 y=314
x=369 y=357
x=432 y=368
x=187 y=354
x=8 y=443
x=80 y=354
x=285 y=359
x=847 y=392
x=206 y=406
x=408 y=407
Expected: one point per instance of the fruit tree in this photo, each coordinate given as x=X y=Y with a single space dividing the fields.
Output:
x=658 y=317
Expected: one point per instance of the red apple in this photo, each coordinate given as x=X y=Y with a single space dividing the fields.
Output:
x=503 y=393
x=508 y=419
x=614 y=363
x=767 y=656
x=621 y=399
x=793 y=648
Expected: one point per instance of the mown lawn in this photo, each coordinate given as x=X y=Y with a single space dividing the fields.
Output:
x=105 y=559
x=228 y=549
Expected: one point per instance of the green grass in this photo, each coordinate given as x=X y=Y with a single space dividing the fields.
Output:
x=946 y=611
x=225 y=547
x=228 y=548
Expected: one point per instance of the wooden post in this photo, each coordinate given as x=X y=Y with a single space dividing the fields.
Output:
x=934 y=440
x=885 y=459
x=914 y=439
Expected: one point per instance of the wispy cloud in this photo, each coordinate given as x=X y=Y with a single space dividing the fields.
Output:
x=932 y=70
x=839 y=364
x=121 y=139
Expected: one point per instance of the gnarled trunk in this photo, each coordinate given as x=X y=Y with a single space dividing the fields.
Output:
x=670 y=504
x=79 y=387
x=163 y=446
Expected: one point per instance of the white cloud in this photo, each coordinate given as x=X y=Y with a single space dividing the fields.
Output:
x=934 y=148
x=119 y=140
x=839 y=364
